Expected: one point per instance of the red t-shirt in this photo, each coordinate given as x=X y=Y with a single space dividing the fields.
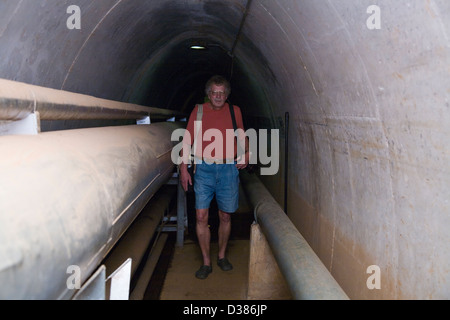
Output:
x=213 y=132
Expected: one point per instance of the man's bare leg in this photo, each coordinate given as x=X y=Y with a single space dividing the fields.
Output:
x=224 y=232
x=204 y=234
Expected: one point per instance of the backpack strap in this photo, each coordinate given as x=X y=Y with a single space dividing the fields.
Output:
x=200 y=112
x=199 y=118
x=233 y=116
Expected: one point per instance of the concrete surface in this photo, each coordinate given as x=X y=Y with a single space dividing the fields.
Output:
x=369 y=174
x=181 y=283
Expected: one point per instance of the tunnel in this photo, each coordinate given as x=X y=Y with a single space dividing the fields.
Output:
x=359 y=92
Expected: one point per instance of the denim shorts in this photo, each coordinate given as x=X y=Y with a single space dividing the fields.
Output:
x=219 y=179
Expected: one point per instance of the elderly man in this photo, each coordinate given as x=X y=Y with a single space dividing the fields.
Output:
x=216 y=173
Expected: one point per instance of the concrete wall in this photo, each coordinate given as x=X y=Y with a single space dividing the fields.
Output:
x=369 y=174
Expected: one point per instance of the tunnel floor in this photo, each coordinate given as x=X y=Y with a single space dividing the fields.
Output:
x=174 y=276
x=181 y=284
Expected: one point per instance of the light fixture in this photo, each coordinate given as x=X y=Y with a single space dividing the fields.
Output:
x=198 y=47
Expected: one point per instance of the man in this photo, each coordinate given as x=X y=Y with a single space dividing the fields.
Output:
x=218 y=172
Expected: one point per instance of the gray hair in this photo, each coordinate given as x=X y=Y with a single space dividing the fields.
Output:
x=218 y=81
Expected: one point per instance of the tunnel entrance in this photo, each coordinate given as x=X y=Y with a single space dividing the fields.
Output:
x=176 y=78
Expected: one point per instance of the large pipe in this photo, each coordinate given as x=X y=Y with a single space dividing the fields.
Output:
x=306 y=276
x=19 y=100
x=67 y=197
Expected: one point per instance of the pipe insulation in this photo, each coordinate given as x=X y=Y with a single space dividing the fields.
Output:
x=19 y=100
x=305 y=274
x=67 y=197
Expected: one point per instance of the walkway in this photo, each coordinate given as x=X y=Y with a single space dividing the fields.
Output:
x=181 y=283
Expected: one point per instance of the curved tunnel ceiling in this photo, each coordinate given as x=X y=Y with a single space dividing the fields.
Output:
x=370 y=107
x=135 y=51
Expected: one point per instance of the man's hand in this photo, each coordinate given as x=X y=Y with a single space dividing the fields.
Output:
x=243 y=161
x=186 y=179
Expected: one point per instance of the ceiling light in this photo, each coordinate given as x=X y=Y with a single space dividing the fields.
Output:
x=198 y=47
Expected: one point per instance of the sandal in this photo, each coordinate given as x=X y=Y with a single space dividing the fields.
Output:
x=203 y=272
x=224 y=264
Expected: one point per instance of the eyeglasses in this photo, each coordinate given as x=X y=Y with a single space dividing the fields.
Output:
x=218 y=93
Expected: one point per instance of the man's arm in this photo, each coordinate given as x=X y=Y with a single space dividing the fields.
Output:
x=185 y=177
